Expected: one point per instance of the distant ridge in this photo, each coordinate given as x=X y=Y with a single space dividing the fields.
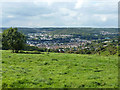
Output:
x=63 y=30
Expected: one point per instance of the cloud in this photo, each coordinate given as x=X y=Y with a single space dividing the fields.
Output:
x=67 y=12
x=79 y=4
x=10 y=16
x=49 y=2
x=105 y=17
x=101 y=17
x=40 y=13
x=36 y=1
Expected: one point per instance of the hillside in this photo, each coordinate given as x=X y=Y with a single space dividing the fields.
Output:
x=65 y=30
x=59 y=70
x=83 y=30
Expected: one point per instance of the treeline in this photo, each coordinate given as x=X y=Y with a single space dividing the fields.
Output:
x=83 y=30
x=108 y=50
x=111 y=49
x=68 y=30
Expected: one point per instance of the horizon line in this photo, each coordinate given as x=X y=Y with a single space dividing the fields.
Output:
x=55 y=27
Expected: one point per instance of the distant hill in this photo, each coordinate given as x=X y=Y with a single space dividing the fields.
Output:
x=83 y=30
x=65 y=30
x=29 y=30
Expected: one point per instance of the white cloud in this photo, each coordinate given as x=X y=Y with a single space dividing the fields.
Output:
x=67 y=12
x=0 y=12
x=37 y=1
x=14 y=0
x=104 y=19
x=52 y=13
x=0 y=15
x=79 y=4
x=49 y=2
x=48 y=15
x=10 y=16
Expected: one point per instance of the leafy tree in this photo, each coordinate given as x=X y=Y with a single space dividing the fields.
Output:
x=12 y=39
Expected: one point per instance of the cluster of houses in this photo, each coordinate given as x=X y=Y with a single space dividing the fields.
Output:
x=105 y=33
x=43 y=40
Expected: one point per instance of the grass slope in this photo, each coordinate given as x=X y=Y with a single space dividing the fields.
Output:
x=58 y=70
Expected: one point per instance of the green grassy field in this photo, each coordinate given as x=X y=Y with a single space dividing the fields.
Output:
x=58 y=70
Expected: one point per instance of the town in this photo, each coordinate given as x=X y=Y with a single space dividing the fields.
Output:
x=64 y=41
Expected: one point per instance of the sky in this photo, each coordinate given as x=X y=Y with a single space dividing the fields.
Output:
x=59 y=13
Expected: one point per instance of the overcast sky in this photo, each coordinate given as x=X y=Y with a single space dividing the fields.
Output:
x=46 y=13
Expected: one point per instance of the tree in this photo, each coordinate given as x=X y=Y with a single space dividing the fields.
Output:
x=12 y=39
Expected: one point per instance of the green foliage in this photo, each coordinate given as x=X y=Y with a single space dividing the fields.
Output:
x=58 y=70
x=32 y=48
x=83 y=31
x=12 y=39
